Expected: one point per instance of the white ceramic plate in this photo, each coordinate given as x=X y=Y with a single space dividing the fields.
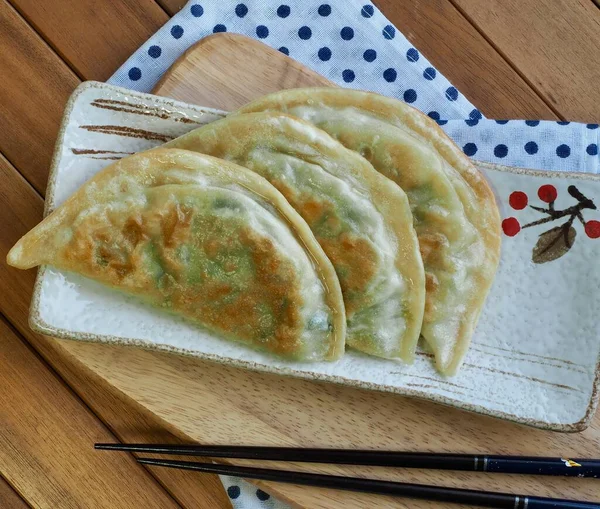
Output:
x=534 y=356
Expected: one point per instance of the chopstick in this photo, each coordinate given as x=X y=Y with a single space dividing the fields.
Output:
x=466 y=462
x=374 y=486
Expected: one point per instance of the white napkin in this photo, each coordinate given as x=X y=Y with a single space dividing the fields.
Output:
x=354 y=45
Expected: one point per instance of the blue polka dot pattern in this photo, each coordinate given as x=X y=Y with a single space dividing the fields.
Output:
x=135 y=73
x=475 y=114
x=324 y=10
x=233 y=492
x=262 y=32
x=304 y=33
x=154 y=51
x=501 y=151
x=563 y=151
x=470 y=149
x=370 y=55
x=262 y=496
x=347 y=33
x=377 y=58
x=389 y=32
x=348 y=75
x=531 y=147
x=177 y=31
x=436 y=116
x=412 y=55
x=324 y=54
x=196 y=10
x=390 y=75
x=451 y=94
x=429 y=73
x=367 y=11
x=410 y=96
x=283 y=11
x=474 y=118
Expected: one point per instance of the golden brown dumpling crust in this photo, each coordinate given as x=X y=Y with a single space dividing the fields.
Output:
x=224 y=250
x=361 y=219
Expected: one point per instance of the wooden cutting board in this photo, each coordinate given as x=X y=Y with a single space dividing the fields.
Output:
x=209 y=403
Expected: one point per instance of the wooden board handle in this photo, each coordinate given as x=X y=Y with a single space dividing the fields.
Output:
x=226 y=71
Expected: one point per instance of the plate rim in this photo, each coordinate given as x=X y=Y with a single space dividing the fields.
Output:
x=39 y=325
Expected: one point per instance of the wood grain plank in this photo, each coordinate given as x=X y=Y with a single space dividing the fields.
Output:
x=172 y=6
x=96 y=36
x=128 y=420
x=131 y=422
x=9 y=498
x=463 y=55
x=22 y=209
x=47 y=438
x=554 y=45
x=35 y=87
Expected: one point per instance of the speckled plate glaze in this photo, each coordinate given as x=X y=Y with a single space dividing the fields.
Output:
x=535 y=354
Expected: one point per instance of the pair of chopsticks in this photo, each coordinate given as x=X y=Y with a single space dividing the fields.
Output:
x=466 y=462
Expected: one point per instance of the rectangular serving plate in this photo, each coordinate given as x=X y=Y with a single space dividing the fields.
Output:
x=535 y=354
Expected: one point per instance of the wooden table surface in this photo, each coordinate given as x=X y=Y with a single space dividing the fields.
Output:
x=511 y=58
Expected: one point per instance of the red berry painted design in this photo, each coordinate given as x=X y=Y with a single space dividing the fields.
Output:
x=592 y=229
x=555 y=242
x=547 y=193
x=518 y=200
x=511 y=226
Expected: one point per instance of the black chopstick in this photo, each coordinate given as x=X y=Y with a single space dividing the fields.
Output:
x=425 y=492
x=468 y=462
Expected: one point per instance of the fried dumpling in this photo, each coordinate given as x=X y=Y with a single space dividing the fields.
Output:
x=204 y=239
x=455 y=213
x=361 y=219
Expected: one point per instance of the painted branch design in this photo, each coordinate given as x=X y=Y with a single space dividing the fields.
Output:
x=557 y=241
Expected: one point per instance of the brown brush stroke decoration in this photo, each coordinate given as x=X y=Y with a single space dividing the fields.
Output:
x=518 y=375
x=131 y=132
x=89 y=151
x=537 y=356
x=554 y=243
x=139 y=109
x=567 y=368
x=106 y=155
